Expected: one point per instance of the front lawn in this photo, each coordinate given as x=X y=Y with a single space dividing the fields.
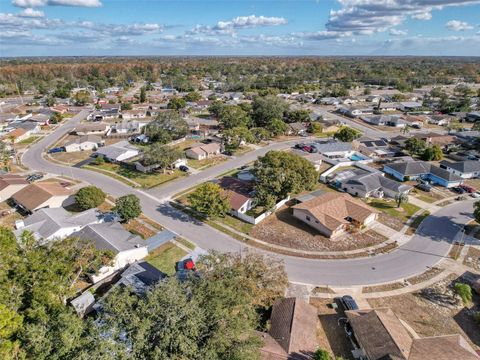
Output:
x=165 y=257
x=71 y=158
x=205 y=163
x=403 y=213
x=29 y=140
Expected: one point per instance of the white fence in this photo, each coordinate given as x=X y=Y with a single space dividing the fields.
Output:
x=251 y=220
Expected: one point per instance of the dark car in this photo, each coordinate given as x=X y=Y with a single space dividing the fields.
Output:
x=458 y=190
x=348 y=303
x=184 y=168
x=33 y=177
x=424 y=187
x=56 y=150
x=299 y=146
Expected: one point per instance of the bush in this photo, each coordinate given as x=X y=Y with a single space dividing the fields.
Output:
x=128 y=207
x=321 y=354
x=464 y=291
x=89 y=197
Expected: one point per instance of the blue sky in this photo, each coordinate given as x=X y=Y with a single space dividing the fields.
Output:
x=226 y=27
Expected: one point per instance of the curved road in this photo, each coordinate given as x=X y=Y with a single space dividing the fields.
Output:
x=431 y=243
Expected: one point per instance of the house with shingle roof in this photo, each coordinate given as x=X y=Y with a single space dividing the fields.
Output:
x=414 y=170
x=203 y=151
x=239 y=193
x=373 y=185
x=10 y=184
x=85 y=142
x=381 y=335
x=333 y=213
x=293 y=331
x=468 y=169
x=41 y=195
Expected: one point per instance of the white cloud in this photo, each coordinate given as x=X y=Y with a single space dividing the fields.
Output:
x=457 y=25
x=18 y=22
x=397 y=32
x=39 y=3
x=228 y=27
x=29 y=12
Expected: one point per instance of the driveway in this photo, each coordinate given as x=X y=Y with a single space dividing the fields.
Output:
x=429 y=246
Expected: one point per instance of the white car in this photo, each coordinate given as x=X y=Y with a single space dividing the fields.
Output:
x=475 y=195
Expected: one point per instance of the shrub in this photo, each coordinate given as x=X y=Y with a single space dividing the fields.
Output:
x=89 y=197
x=464 y=291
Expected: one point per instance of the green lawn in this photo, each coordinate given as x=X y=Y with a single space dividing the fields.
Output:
x=391 y=209
x=165 y=257
x=235 y=223
x=205 y=163
x=144 y=180
x=29 y=140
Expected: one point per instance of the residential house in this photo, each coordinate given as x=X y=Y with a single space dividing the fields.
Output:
x=355 y=111
x=17 y=135
x=373 y=98
x=445 y=142
x=440 y=120
x=292 y=334
x=314 y=158
x=399 y=140
x=127 y=128
x=385 y=120
x=239 y=193
x=126 y=247
x=41 y=195
x=330 y=126
x=373 y=185
x=329 y=101
x=118 y=152
x=414 y=121
x=472 y=116
x=139 y=276
x=86 y=142
x=134 y=114
x=468 y=169
x=204 y=151
x=91 y=129
x=409 y=106
x=387 y=107
x=10 y=184
x=42 y=119
x=334 y=150
x=374 y=148
x=381 y=335
x=31 y=127
x=332 y=213
x=110 y=111
x=297 y=128
x=55 y=223
x=414 y=170
x=467 y=137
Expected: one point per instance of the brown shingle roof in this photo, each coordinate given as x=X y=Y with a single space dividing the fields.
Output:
x=442 y=348
x=331 y=209
x=237 y=191
x=32 y=196
x=6 y=180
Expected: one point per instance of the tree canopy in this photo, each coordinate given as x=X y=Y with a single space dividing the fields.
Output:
x=128 y=207
x=166 y=127
x=209 y=199
x=347 y=134
x=162 y=155
x=266 y=109
x=89 y=197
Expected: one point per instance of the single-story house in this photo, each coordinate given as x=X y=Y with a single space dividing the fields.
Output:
x=239 y=193
x=314 y=158
x=334 y=150
x=118 y=152
x=381 y=335
x=134 y=114
x=444 y=141
x=91 y=129
x=440 y=120
x=375 y=148
x=373 y=185
x=85 y=142
x=329 y=101
x=386 y=106
x=472 y=116
x=468 y=169
x=355 y=111
x=384 y=120
x=55 y=223
x=204 y=151
x=126 y=247
x=409 y=105
x=10 y=184
x=31 y=127
x=41 y=195
x=414 y=120
x=468 y=137
x=332 y=213
x=17 y=135
x=293 y=331
x=330 y=126
x=413 y=170
x=42 y=119
x=297 y=128
x=126 y=127
x=139 y=276
x=399 y=140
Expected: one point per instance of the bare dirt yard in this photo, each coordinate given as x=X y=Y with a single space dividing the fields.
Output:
x=331 y=336
x=281 y=228
x=472 y=258
x=436 y=311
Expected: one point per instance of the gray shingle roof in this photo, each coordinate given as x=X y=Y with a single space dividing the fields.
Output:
x=415 y=168
x=375 y=181
x=467 y=166
x=332 y=147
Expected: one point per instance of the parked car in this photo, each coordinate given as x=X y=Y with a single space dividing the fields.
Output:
x=475 y=195
x=299 y=146
x=183 y=168
x=458 y=190
x=424 y=187
x=33 y=177
x=349 y=303
x=307 y=149
x=56 y=150
x=468 y=189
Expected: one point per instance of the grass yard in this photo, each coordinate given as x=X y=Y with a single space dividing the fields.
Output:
x=71 y=158
x=235 y=223
x=8 y=220
x=403 y=213
x=184 y=145
x=29 y=140
x=165 y=257
x=417 y=221
x=144 y=180
x=205 y=163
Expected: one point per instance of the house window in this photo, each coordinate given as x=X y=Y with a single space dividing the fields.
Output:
x=307 y=217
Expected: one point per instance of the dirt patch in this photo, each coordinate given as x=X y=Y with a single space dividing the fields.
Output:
x=390 y=221
x=473 y=258
x=331 y=336
x=322 y=290
x=427 y=275
x=435 y=311
x=385 y=287
x=283 y=229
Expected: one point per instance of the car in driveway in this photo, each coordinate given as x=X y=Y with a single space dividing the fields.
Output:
x=56 y=150
x=475 y=195
x=34 y=177
x=458 y=190
x=468 y=189
x=424 y=187
x=184 y=168
x=348 y=303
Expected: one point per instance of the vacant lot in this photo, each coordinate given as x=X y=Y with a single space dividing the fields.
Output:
x=71 y=158
x=165 y=257
x=429 y=318
x=281 y=228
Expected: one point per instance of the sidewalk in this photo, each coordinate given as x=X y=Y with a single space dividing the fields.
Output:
x=422 y=204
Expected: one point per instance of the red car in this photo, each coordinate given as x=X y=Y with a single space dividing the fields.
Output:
x=468 y=189
x=307 y=149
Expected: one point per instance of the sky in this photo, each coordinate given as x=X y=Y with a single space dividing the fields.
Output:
x=239 y=27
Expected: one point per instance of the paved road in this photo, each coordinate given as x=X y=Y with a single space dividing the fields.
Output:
x=428 y=247
x=134 y=89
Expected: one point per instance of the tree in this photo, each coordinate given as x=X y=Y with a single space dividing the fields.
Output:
x=143 y=94
x=415 y=146
x=126 y=106
x=162 y=155
x=49 y=101
x=166 y=127
x=209 y=199
x=432 y=153
x=465 y=292
x=128 y=207
x=56 y=118
x=316 y=128
x=300 y=115
x=401 y=198
x=176 y=103
x=347 y=134
x=267 y=109
x=279 y=174
x=192 y=96
x=322 y=354
x=215 y=108
x=4 y=154
x=260 y=134
x=82 y=98
x=476 y=211
x=231 y=116
x=235 y=137
x=277 y=127
x=89 y=197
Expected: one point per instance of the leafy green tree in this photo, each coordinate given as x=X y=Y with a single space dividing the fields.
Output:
x=231 y=116
x=82 y=98
x=432 y=153
x=215 y=108
x=401 y=198
x=56 y=118
x=321 y=354
x=128 y=207
x=267 y=109
x=89 y=197
x=415 y=146
x=234 y=137
x=176 y=103
x=209 y=199
x=10 y=325
x=347 y=134
x=166 y=127
x=316 y=128
x=4 y=154
x=280 y=174
x=277 y=127
x=299 y=115
x=143 y=94
x=465 y=292
x=260 y=134
x=162 y=155
x=192 y=96
x=126 y=106
x=49 y=101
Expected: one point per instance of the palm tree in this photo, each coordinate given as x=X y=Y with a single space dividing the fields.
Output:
x=405 y=130
x=401 y=198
